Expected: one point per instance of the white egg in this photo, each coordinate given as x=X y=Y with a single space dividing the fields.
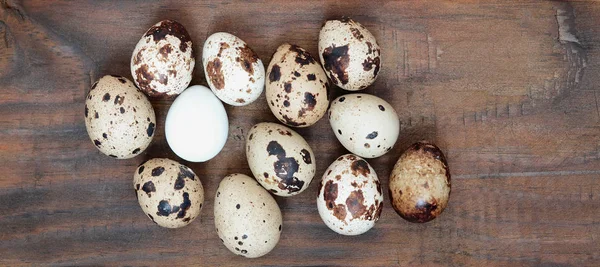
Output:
x=196 y=127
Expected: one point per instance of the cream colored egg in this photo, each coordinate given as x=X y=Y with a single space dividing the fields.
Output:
x=170 y=194
x=247 y=218
x=233 y=71
x=366 y=125
x=280 y=159
x=163 y=60
x=119 y=119
x=296 y=88
x=350 y=199
x=349 y=53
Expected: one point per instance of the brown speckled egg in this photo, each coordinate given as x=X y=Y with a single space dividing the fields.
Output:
x=118 y=117
x=366 y=125
x=420 y=183
x=350 y=199
x=280 y=159
x=170 y=194
x=163 y=61
x=247 y=218
x=233 y=71
x=349 y=53
x=296 y=89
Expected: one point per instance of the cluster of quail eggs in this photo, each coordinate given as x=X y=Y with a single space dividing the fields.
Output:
x=120 y=121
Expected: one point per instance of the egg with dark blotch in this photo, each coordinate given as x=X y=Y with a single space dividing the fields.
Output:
x=170 y=194
x=296 y=88
x=280 y=159
x=233 y=71
x=420 y=183
x=350 y=198
x=349 y=53
x=247 y=218
x=119 y=119
x=163 y=60
x=366 y=125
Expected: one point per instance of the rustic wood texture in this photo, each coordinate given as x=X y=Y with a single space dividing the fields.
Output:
x=507 y=89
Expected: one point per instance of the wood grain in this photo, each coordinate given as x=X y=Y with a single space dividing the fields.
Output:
x=508 y=90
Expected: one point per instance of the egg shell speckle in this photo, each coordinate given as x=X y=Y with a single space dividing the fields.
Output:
x=420 y=183
x=163 y=61
x=349 y=53
x=296 y=88
x=170 y=194
x=350 y=199
x=366 y=125
x=280 y=159
x=233 y=71
x=247 y=218
x=119 y=119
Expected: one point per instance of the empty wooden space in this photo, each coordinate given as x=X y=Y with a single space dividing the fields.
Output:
x=507 y=89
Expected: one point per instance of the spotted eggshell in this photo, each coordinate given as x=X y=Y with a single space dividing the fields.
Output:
x=420 y=183
x=118 y=117
x=366 y=125
x=280 y=159
x=350 y=197
x=233 y=71
x=163 y=61
x=247 y=218
x=170 y=194
x=296 y=89
x=349 y=53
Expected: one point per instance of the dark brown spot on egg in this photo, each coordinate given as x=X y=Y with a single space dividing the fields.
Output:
x=185 y=172
x=338 y=177
x=165 y=51
x=370 y=47
x=170 y=27
x=119 y=100
x=287 y=87
x=266 y=175
x=302 y=57
x=369 y=64
x=106 y=97
x=372 y=135
x=423 y=211
x=96 y=115
x=336 y=61
x=351 y=157
x=367 y=145
x=360 y=167
x=135 y=151
x=222 y=46
x=251 y=136
x=237 y=206
x=341 y=99
x=286 y=132
x=86 y=111
x=381 y=108
x=247 y=57
x=287 y=120
x=150 y=130
x=141 y=169
x=330 y=192
x=378 y=186
x=275 y=73
x=340 y=131
x=213 y=69
x=305 y=156
x=148 y=188
x=122 y=80
x=143 y=78
x=286 y=103
x=184 y=206
x=311 y=77
x=309 y=104
x=297 y=74
x=285 y=168
x=355 y=204
x=122 y=110
x=241 y=101
x=157 y=171
x=105 y=135
x=94 y=86
x=97 y=143
x=113 y=156
x=357 y=34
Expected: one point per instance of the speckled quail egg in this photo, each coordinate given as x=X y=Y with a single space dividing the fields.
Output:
x=350 y=199
x=118 y=117
x=233 y=71
x=280 y=159
x=349 y=53
x=170 y=194
x=420 y=183
x=163 y=60
x=366 y=125
x=247 y=218
x=296 y=89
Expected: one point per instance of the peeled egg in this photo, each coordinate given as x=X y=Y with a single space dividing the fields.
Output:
x=420 y=183
x=296 y=89
x=280 y=159
x=349 y=53
x=233 y=71
x=163 y=61
x=118 y=117
x=247 y=218
x=196 y=127
x=366 y=125
x=350 y=199
x=170 y=194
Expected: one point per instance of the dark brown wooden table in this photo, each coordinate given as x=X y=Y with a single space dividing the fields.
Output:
x=508 y=89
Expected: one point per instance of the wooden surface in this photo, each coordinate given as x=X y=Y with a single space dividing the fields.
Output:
x=508 y=90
